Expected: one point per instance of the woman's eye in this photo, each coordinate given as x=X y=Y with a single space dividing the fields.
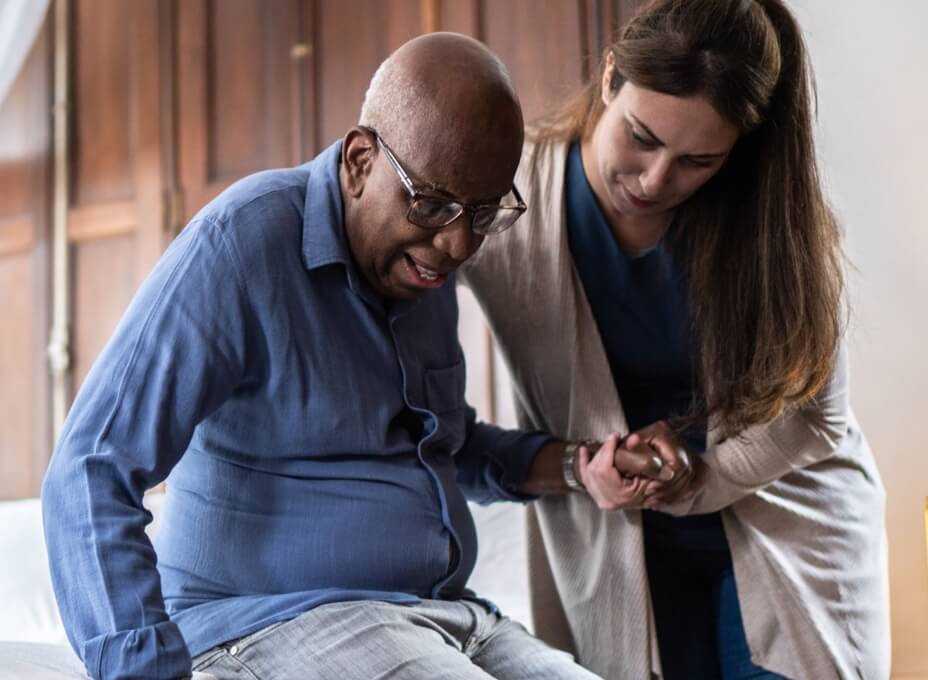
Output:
x=642 y=142
x=696 y=163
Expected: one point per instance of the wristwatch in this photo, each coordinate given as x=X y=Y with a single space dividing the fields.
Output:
x=567 y=465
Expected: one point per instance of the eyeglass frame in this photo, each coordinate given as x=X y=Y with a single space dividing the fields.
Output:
x=415 y=194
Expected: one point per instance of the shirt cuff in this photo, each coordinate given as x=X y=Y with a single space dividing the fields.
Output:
x=156 y=652
x=522 y=453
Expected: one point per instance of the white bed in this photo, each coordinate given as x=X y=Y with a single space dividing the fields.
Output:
x=33 y=645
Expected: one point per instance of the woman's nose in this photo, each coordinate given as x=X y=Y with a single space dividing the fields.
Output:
x=656 y=176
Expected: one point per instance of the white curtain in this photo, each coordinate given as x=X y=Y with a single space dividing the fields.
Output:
x=20 y=21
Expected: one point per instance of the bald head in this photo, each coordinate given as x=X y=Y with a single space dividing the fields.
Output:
x=438 y=83
x=445 y=108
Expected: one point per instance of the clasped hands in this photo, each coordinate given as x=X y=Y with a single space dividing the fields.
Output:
x=647 y=469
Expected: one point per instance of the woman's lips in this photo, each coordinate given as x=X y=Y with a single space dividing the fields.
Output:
x=635 y=201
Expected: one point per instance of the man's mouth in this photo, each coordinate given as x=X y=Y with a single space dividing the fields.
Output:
x=426 y=273
x=424 y=276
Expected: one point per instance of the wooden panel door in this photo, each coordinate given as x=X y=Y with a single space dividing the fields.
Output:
x=352 y=38
x=240 y=82
x=117 y=225
x=270 y=83
x=25 y=129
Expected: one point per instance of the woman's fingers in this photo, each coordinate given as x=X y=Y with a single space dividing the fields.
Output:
x=610 y=489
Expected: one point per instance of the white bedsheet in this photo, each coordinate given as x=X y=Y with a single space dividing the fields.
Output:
x=32 y=641
x=44 y=661
x=39 y=661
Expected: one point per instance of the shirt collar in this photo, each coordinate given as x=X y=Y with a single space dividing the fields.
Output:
x=324 y=240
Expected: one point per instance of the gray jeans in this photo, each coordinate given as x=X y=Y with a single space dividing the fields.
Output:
x=458 y=640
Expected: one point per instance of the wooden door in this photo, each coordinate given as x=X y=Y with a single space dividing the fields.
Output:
x=172 y=101
x=25 y=130
x=270 y=83
x=119 y=177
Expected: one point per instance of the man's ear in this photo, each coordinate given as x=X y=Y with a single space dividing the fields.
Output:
x=358 y=154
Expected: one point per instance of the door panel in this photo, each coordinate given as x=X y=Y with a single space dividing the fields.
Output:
x=24 y=308
x=117 y=227
x=236 y=92
x=171 y=102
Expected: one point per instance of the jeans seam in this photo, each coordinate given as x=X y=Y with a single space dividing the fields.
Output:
x=244 y=667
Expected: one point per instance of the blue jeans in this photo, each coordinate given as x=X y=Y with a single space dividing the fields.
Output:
x=367 y=640
x=700 y=632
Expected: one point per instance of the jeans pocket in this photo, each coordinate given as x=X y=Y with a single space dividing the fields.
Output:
x=247 y=641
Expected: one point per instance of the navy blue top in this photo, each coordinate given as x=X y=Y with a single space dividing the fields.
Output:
x=317 y=439
x=641 y=310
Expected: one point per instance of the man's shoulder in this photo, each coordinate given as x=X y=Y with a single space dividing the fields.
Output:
x=265 y=194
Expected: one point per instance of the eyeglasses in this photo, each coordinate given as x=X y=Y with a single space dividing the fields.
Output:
x=434 y=212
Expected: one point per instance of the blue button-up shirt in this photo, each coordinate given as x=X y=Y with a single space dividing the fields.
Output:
x=317 y=439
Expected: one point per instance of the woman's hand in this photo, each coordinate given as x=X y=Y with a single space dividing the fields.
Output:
x=616 y=477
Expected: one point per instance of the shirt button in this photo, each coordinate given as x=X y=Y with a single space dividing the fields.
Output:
x=233 y=650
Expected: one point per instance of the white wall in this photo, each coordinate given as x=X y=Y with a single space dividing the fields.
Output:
x=871 y=60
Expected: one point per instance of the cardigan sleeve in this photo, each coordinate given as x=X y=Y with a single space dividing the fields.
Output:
x=746 y=463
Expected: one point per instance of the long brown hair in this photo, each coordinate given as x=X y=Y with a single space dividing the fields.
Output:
x=760 y=244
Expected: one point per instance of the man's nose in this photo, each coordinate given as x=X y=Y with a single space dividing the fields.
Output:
x=457 y=240
x=656 y=176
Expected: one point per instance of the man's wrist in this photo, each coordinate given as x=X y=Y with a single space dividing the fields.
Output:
x=570 y=466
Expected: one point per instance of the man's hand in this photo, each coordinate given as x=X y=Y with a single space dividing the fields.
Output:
x=688 y=472
x=616 y=477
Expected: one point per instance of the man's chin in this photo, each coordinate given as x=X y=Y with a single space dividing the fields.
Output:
x=397 y=293
x=398 y=290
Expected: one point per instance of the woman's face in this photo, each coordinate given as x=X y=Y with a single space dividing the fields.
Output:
x=652 y=151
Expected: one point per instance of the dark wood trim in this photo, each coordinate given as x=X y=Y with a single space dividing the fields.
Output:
x=310 y=81
x=173 y=216
x=192 y=102
x=149 y=145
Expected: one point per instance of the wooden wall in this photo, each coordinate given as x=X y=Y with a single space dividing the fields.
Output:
x=171 y=101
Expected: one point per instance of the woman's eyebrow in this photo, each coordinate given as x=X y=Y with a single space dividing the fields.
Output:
x=657 y=141
x=644 y=127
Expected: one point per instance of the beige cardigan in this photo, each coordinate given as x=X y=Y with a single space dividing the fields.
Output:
x=801 y=499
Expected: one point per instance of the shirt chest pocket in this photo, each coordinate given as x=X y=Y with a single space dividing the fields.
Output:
x=444 y=393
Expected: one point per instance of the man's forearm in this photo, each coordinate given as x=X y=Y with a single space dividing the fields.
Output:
x=546 y=475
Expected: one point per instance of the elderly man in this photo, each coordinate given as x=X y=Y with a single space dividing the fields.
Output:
x=293 y=363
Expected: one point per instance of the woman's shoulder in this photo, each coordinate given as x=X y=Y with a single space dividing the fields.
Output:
x=540 y=180
x=541 y=155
